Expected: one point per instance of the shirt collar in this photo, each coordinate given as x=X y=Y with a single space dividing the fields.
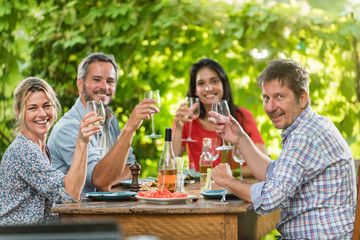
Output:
x=305 y=114
x=81 y=108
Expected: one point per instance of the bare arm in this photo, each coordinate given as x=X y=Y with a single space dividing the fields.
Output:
x=75 y=178
x=112 y=168
x=256 y=160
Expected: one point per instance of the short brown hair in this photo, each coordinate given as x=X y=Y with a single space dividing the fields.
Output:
x=287 y=72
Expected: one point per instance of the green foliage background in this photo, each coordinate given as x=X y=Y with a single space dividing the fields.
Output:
x=156 y=42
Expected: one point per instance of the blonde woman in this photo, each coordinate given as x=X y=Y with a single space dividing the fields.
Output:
x=29 y=184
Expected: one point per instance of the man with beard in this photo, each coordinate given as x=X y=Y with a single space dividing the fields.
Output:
x=312 y=181
x=96 y=80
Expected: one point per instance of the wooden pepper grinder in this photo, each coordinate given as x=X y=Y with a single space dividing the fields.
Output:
x=135 y=168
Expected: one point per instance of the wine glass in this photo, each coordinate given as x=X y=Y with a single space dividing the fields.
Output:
x=99 y=109
x=194 y=104
x=190 y=171
x=236 y=154
x=156 y=96
x=221 y=107
x=213 y=148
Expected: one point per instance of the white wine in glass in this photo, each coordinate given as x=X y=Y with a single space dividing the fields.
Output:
x=99 y=109
x=194 y=104
x=221 y=107
x=156 y=96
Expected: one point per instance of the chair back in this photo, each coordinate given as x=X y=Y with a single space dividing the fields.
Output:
x=356 y=232
x=61 y=231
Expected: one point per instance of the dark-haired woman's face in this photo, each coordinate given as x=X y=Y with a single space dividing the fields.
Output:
x=209 y=87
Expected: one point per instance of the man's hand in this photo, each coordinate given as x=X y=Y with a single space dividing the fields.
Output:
x=222 y=174
x=231 y=132
x=142 y=111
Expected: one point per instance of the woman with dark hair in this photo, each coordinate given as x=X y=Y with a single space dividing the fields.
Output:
x=209 y=82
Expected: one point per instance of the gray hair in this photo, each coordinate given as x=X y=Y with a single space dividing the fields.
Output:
x=96 y=57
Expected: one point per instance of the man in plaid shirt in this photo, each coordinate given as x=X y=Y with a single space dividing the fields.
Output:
x=313 y=179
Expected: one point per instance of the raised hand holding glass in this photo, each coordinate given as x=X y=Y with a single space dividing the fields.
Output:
x=221 y=107
x=99 y=109
x=194 y=104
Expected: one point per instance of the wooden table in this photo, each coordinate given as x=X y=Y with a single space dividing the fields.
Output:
x=200 y=219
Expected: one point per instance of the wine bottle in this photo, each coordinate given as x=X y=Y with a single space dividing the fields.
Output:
x=205 y=164
x=167 y=171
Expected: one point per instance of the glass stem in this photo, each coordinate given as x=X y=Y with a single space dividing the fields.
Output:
x=152 y=123
x=240 y=172
x=189 y=137
x=223 y=140
x=98 y=138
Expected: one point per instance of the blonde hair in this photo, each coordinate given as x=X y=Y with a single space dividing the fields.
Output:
x=22 y=92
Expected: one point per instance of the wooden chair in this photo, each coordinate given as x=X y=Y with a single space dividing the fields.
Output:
x=356 y=232
x=61 y=231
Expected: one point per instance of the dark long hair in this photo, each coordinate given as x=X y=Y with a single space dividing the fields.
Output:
x=209 y=63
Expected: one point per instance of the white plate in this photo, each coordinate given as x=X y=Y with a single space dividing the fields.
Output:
x=166 y=200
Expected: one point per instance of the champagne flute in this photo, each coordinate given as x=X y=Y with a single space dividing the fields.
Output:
x=194 y=114
x=221 y=107
x=156 y=96
x=213 y=148
x=236 y=155
x=99 y=109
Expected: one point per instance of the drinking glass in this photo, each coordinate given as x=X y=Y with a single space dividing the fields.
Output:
x=180 y=187
x=239 y=159
x=99 y=109
x=190 y=171
x=221 y=107
x=193 y=103
x=213 y=148
x=156 y=96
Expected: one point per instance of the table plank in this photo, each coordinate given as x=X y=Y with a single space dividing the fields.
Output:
x=180 y=226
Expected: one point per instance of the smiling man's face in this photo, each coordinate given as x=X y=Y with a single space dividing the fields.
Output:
x=281 y=105
x=100 y=83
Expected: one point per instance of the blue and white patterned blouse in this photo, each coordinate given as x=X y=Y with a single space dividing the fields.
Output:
x=29 y=185
x=312 y=182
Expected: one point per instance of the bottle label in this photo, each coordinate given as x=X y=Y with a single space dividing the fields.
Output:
x=167 y=179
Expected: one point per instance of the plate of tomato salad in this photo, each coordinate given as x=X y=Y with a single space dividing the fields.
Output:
x=163 y=196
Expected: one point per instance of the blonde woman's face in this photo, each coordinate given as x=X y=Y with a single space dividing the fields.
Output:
x=39 y=115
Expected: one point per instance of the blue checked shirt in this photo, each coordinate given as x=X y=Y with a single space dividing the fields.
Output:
x=312 y=182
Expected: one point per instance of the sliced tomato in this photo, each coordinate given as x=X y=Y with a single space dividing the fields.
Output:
x=176 y=195
x=164 y=193
x=141 y=194
x=161 y=193
x=184 y=194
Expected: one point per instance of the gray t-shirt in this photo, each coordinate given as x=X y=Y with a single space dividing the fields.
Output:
x=63 y=137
